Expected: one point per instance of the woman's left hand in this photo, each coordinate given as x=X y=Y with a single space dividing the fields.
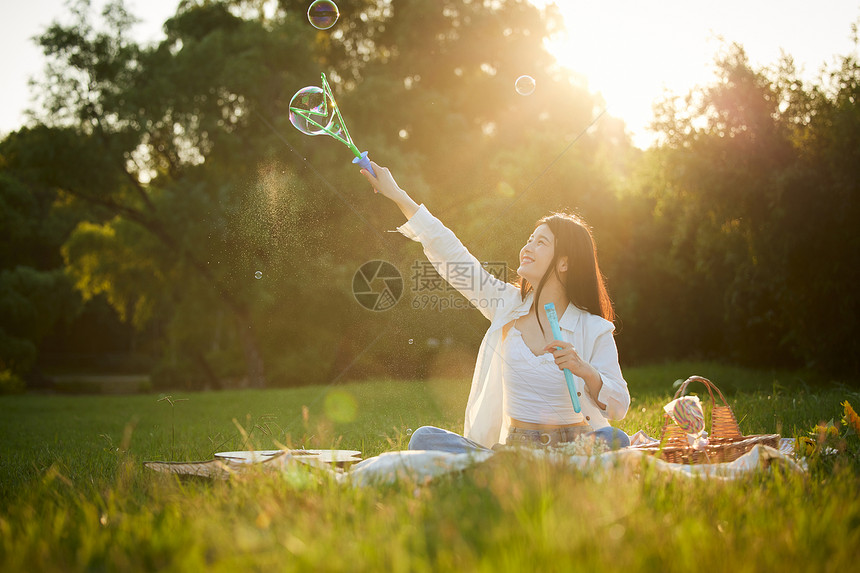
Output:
x=566 y=356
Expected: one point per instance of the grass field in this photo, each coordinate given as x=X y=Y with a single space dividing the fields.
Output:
x=74 y=494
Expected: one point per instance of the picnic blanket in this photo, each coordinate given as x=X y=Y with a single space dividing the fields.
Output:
x=423 y=466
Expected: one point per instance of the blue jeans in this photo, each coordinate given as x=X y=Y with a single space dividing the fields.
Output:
x=433 y=438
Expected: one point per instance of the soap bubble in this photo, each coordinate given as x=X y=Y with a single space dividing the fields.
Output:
x=323 y=14
x=408 y=431
x=525 y=85
x=410 y=341
x=258 y=275
x=311 y=101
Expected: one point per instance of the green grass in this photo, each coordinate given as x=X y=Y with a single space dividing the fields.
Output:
x=74 y=494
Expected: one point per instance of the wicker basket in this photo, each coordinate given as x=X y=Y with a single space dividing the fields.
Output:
x=725 y=442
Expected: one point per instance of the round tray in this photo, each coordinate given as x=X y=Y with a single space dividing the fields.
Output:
x=328 y=456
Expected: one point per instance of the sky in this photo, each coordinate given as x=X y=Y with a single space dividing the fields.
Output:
x=630 y=51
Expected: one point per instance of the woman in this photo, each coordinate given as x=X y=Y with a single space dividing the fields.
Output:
x=518 y=393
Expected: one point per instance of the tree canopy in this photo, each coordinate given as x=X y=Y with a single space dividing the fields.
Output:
x=167 y=180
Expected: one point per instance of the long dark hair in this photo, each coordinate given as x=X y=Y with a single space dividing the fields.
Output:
x=585 y=286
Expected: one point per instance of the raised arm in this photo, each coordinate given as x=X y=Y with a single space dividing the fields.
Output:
x=449 y=257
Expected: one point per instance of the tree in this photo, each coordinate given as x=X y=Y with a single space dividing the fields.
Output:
x=817 y=219
x=743 y=191
x=136 y=115
x=35 y=294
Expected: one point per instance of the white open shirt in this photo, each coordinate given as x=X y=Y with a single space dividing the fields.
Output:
x=500 y=302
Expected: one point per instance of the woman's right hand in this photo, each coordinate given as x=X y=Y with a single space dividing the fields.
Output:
x=385 y=185
x=383 y=182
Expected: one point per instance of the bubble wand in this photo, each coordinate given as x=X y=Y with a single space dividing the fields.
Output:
x=313 y=111
x=568 y=375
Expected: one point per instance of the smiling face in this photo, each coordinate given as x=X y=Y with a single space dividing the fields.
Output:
x=576 y=276
x=536 y=255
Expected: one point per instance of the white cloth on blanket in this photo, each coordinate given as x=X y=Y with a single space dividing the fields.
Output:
x=423 y=466
x=410 y=464
x=418 y=465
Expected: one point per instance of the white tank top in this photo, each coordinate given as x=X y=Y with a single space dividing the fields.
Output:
x=535 y=389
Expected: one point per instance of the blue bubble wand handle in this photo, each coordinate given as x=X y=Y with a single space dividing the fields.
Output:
x=568 y=375
x=364 y=162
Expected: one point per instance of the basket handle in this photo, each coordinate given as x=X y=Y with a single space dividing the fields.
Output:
x=723 y=421
x=708 y=384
